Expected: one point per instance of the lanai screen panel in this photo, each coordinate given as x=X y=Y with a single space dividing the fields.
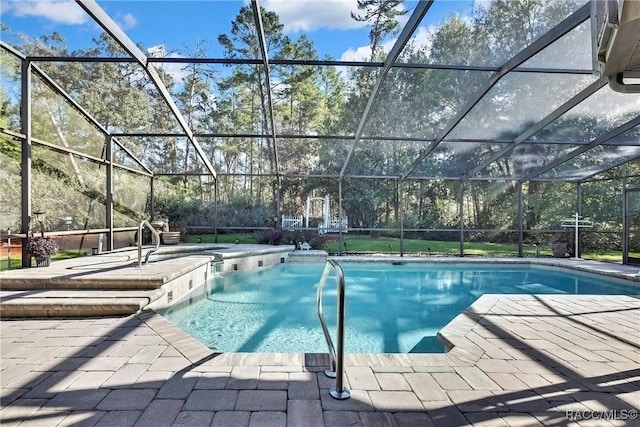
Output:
x=594 y=160
x=381 y=157
x=307 y=98
x=631 y=137
x=246 y=154
x=10 y=148
x=10 y=81
x=431 y=204
x=55 y=33
x=131 y=194
x=452 y=159
x=302 y=156
x=421 y=102
x=119 y=95
x=164 y=154
x=489 y=38
x=295 y=193
x=633 y=180
x=598 y=114
x=10 y=182
x=546 y=204
x=371 y=203
x=331 y=155
x=65 y=185
x=344 y=87
x=516 y=102
x=556 y=56
x=602 y=206
x=525 y=159
x=56 y=121
x=243 y=202
x=123 y=158
x=148 y=149
x=490 y=214
x=173 y=155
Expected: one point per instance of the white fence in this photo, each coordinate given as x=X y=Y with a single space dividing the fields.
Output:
x=335 y=226
x=291 y=221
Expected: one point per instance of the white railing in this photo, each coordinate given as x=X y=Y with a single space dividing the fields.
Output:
x=336 y=357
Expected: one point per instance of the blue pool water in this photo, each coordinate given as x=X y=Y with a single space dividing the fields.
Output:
x=390 y=308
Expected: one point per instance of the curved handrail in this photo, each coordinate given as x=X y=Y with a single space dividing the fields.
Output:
x=323 y=323
x=153 y=250
x=335 y=359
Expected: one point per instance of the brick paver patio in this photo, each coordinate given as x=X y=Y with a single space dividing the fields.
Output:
x=517 y=361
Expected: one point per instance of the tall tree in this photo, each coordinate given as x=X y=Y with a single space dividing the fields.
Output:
x=382 y=16
x=243 y=43
x=197 y=102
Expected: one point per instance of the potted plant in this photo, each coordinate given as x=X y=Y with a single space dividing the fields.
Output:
x=42 y=249
x=559 y=249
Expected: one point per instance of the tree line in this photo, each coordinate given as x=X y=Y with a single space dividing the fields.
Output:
x=309 y=100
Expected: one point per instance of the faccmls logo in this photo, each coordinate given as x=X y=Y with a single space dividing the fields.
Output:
x=623 y=414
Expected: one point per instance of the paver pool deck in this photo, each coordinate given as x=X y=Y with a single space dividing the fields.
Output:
x=517 y=360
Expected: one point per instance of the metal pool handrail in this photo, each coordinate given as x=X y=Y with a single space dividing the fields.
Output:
x=146 y=223
x=336 y=361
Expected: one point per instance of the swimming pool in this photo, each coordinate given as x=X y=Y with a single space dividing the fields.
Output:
x=390 y=308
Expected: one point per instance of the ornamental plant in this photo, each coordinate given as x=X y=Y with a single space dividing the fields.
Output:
x=275 y=236
x=42 y=248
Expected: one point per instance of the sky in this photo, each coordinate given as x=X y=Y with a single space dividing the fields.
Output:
x=179 y=24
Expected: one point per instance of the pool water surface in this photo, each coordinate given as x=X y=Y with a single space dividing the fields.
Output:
x=389 y=308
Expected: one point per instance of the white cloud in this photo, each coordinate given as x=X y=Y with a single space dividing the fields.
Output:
x=176 y=70
x=362 y=53
x=60 y=11
x=422 y=38
x=127 y=21
x=157 y=51
x=310 y=15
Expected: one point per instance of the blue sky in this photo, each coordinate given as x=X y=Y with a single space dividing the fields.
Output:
x=178 y=25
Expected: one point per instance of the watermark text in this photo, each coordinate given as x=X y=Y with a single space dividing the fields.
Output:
x=614 y=414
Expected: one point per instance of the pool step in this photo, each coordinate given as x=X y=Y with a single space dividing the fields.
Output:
x=117 y=271
x=74 y=303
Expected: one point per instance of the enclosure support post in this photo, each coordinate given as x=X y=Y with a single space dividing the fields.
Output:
x=109 y=189
x=215 y=210
x=25 y=159
x=520 y=217
x=579 y=211
x=152 y=203
x=625 y=219
x=401 y=208
x=461 y=210
x=340 y=215
x=579 y=198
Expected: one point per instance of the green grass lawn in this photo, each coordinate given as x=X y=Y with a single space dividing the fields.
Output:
x=16 y=259
x=248 y=238
x=366 y=244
